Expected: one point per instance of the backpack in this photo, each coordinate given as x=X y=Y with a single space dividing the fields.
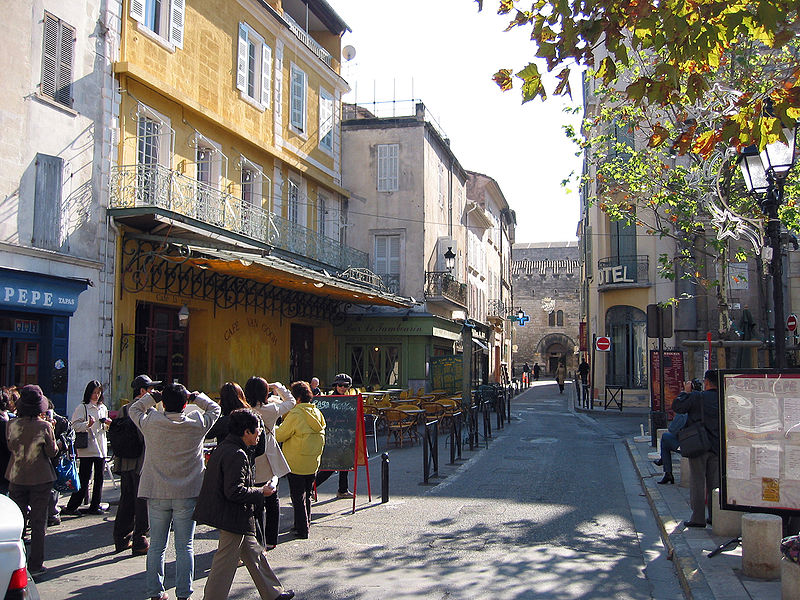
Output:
x=124 y=436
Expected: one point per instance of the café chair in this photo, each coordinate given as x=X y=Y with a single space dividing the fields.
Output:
x=433 y=410
x=400 y=425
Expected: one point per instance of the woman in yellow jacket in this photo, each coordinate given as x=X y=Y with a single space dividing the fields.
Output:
x=303 y=436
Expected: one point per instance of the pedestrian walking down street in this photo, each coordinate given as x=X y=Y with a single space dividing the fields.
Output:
x=526 y=375
x=702 y=407
x=90 y=417
x=132 y=523
x=32 y=443
x=303 y=436
x=226 y=502
x=271 y=465
x=561 y=375
x=172 y=475
x=7 y=407
x=342 y=386
x=537 y=371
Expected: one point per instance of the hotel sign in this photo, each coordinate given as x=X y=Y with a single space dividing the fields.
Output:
x=616 y=274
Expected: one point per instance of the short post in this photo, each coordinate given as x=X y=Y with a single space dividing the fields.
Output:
x=453 y=443
x=685 y=469
x=508 y=406
x=384 y=477
x=726 y=523
x=761 y=545
x=790 y=580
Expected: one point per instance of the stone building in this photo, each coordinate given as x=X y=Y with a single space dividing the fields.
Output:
x=546 y=280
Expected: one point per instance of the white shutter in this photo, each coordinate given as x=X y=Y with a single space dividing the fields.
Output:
x=381 y=251
x=64 y=89
x=393 y=167
x=177 y=11
x=241 y=61
x=137 y=10
x=266 y=73
x=382 y=153
x=298 y=98
x=50 y=57
x=393 y=255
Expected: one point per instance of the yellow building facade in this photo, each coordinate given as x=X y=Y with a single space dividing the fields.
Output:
x=227 y=193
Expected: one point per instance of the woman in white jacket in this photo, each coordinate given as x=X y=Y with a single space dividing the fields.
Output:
x=91 y=416
x=271 y=465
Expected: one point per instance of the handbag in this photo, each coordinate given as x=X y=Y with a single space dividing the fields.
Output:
x=82 y=437
x=67 y=480
x=693 y=438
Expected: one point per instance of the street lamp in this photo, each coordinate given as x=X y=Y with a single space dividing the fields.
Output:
x=449 y=258
x=183 y=317
x=520 y=314
x=764 y=175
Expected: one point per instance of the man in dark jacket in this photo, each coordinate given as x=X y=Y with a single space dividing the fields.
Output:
x=226 y=502
x=702 y=407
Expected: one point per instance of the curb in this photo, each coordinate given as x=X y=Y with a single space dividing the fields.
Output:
x=692 y=579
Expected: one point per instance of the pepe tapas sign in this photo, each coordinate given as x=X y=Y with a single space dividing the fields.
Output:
x=603 y=343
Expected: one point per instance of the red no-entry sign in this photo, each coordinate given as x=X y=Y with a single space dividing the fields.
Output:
x=603 y=344
x=791 y=322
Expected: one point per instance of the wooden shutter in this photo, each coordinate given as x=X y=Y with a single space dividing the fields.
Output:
x=266 y=73
x=241 y=61
x=325 y=120
x=298 y=98
x=137 y=10
x=50 y=52
x=177 y=14
x=381 y=255
x=57 y=58
x=47 y=202
x=66 y=44
x=393 y=255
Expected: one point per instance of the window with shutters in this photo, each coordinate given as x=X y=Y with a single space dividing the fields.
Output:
x=153 y=146
x=47 y=202
x=294 y=201
x=57 y=58
x=326 y=120
x=165 y=18
x=387 y=260
x=322 y=213
x=253 y=67
x=388 y=167
x=297 y=99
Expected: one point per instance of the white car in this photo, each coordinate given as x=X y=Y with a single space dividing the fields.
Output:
x=14 y=577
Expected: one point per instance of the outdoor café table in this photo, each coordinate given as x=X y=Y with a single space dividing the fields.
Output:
x=416 y=412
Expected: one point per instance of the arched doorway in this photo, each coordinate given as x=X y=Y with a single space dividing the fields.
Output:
x=627 y=361
x=556 y=347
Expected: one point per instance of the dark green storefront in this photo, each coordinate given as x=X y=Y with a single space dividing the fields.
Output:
x=393 y=351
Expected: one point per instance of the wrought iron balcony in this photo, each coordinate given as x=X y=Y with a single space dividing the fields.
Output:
x=304 y=37
x=623 y=271
x=441 y=285
x=498 y=308
x=156 y=187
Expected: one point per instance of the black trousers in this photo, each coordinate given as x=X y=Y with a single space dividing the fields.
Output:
x=132 y=520
x=300 y=488
x=85 y=467
x=268 y=520
x=323 y=476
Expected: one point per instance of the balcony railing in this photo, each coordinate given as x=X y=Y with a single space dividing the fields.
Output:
x=154 y=186
x=498 y=308
x=441 y=284
x=624 y=271
x=312 y=44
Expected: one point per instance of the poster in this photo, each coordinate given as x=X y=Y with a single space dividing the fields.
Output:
x=760 y=460
x=673 y=379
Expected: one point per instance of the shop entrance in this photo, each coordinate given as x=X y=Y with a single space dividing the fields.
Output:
x=301 y=353
x=161 y=344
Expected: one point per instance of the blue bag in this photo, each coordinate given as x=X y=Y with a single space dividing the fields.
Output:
x=67 y=480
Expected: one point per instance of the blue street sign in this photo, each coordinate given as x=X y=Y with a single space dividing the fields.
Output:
x=523 y=319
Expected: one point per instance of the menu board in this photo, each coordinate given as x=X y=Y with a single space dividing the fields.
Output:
x=760 y=431
x=340 y=414
x=673 y=379
x=446 y=373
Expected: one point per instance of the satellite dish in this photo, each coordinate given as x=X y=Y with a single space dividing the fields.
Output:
x=348 y=52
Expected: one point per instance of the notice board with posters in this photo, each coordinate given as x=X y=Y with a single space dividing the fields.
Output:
x=760 y=440
x=673 y=379
x=446 y=373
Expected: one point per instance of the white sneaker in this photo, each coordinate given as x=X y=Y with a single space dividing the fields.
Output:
x=347 y=494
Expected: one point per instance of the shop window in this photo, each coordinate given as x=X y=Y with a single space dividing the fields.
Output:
x=627 y=360
x=375 y=366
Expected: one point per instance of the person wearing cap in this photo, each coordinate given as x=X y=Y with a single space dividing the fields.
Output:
x=32 y=443
x=171 y=478
x=132 y=524
x=91 y=417
x=341 y=387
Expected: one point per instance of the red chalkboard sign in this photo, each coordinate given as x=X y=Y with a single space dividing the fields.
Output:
x=673 y=380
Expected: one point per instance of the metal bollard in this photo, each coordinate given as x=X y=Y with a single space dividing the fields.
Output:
x=453 y=443
x=384 y=477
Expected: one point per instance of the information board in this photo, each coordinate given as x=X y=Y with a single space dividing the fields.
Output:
x=760 y=460
x=446 y=373
x=341 y=421
x=674 y=377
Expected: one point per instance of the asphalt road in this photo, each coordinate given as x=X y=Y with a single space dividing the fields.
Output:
x=552 y=509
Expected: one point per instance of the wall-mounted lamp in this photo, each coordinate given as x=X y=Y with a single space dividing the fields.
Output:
x=449 y=258
x=520 y=313
x=183 y=317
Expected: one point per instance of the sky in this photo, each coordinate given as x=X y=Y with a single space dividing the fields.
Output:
x=444 y=52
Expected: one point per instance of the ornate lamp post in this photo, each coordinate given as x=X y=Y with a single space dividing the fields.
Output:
x=765 y=175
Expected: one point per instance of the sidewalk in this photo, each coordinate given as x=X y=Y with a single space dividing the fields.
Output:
x=702 y=578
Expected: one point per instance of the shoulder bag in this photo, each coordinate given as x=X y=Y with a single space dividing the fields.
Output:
x=82 y=437
x=66 y=467
x=693 y=438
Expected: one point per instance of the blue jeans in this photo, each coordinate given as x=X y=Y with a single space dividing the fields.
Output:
x=162 y=513
x=669 y=444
